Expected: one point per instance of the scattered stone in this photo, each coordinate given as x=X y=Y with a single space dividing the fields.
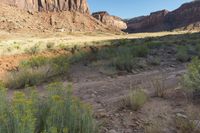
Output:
x=112 y=131
x=180 y=115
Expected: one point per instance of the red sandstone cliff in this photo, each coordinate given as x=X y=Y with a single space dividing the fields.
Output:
x=186 y=17
x=111 y=21
x=50 y=5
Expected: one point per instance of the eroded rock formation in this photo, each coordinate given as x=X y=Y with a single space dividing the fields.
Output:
x=185 y=17
x=50 y=5
x=109 y=20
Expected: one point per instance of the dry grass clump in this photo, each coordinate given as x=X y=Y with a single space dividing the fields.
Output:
x=136 y=99
x=159 y=86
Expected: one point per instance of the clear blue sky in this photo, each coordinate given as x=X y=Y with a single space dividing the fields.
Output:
x=133 y=8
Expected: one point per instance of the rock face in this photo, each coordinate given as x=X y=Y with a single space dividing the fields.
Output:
x=13 y=19
x=185 y=17
x=50 y=5
x=111 y=21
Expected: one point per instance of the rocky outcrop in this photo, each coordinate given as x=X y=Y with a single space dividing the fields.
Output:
x=111 y=21
x=50 y=5
x=13 y=19
x=186 y=16
x=153 y=22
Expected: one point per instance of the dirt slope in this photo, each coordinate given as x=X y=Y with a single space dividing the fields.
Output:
x=14 y=19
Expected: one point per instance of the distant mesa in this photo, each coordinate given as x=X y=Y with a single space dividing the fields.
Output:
x=186 y=17
x=109 y=20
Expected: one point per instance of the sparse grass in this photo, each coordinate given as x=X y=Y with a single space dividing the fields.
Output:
x=26 y=77
x=123 y=58
x=36 y=71
x=159 y=86
x=57 y=112
x=153 y=44
x=184 y=125
x=136 y=99
x=33 y=50
x=182 y=54
x=154 y=61
x=34 y=62
x=155 y=127
x=124 y=63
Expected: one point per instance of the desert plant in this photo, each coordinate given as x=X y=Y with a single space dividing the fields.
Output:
x=66 y=112
x=182 y=54
x=184 y=125
x=136 y=99
x=34 y=62
x=191 y=79
x=140 y=50
x=155 y=61
x=33 y=50
x=153 y=44
x=124 y=63
x=37 y=70
x=26 y=77
x=155 y=127
x=50 y=45
x=59 y=65
x=57 y=112
x=159 y=86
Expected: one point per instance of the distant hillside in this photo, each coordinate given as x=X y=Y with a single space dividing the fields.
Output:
x=41 y=16
x=186 y=17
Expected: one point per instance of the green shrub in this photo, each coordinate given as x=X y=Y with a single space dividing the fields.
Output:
x=50 y=45
x=182 y=54
x=33 y=50
x=57 y=112
x=37 y=70
x=140 y=50
x=79 y=56
x=136 y=99
x=34 y=62
x=155 y=61
x=124 y=63
x=191 y=79
x=153 y=45
x=106 y=53
x=59 y=65
x=26 y=77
